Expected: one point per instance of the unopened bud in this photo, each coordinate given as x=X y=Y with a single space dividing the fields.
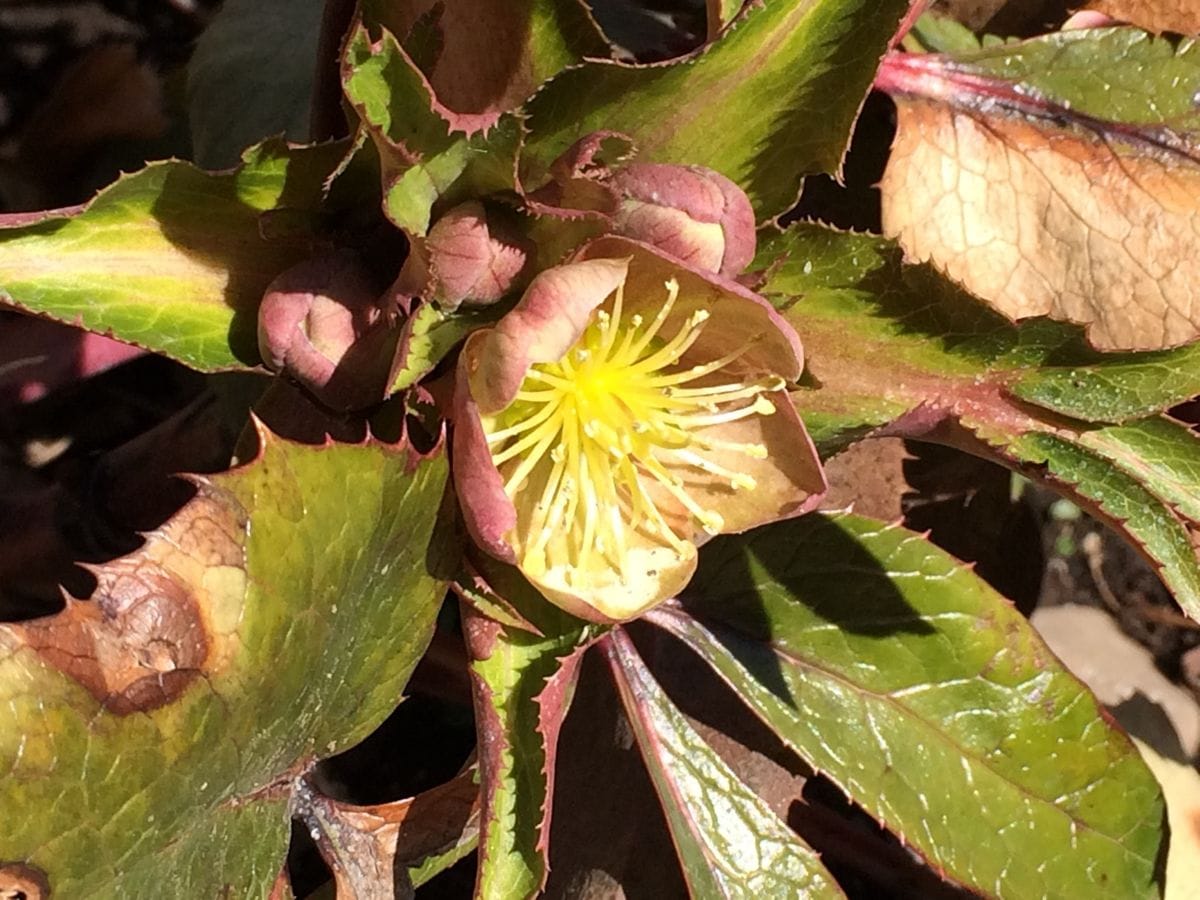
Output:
x=691 y=212
x=470 y=256
x=319 y=323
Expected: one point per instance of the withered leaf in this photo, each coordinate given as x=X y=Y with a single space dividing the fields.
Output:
x=1181 y=16
x=1057 y=177
x=151 y=737
x=367 y=847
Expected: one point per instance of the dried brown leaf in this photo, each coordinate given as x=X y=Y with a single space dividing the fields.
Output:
x=1041 y=217
x=368 y=848
x=1181 y=16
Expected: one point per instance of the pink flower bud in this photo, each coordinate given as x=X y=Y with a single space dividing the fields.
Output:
x=320 y=324
x=470 y=256
x=695 y=214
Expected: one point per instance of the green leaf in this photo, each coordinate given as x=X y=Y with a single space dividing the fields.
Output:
x=171 y=258
x=1115 y=387
x=730 y=843
x=524 y=683
x=251 y=77
x=901 y=347
x=1160 y=453
x=431 y=333
x=424 y=158
x=773 y=100
x=882 y=338
x=158 y=729
x=1114 y=74
x=926 y=696
x=720 y=14
x=936 y=32
x=1127 y=500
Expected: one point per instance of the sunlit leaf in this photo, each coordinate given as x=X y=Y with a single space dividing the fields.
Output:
x=746 y=106
x=157 y=728
x=730 y=843
x=171 y=258
x=903 y=677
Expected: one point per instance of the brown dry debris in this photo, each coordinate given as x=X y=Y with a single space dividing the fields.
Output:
x=21 y=882
x=160 y=617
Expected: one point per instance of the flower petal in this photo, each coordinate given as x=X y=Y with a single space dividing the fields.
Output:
x=738 y=316
x=550 y=317
x=487 y=510
x=694 y=213
x=654 y=574
x=789 y=481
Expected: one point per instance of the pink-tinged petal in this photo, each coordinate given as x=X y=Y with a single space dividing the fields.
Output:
x=739 y=317
x=695 y=214
x=684 y=188
x=739 y=224
x=488 y=512
x=700 y=243
x=541 y=328
x=319 y=323
x=1087 y=18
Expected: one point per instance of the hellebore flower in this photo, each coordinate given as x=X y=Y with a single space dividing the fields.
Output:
x=625 y=410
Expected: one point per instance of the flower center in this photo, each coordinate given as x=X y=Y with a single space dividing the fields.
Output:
x=615 y=428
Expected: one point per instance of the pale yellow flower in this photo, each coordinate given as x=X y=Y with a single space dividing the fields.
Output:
x=627 y=409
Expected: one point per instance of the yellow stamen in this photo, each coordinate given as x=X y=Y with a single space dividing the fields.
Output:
x=616 y=423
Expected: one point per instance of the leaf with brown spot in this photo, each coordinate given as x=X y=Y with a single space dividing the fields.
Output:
x=151 y=737
x=1056 y=177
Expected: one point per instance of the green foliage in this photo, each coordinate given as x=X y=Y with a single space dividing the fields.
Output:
x=730 y=842
x=930 y=701
x=1114 y=74
x=171 y=258
x=527 y=681
x=677 y=112
x=423 y=159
